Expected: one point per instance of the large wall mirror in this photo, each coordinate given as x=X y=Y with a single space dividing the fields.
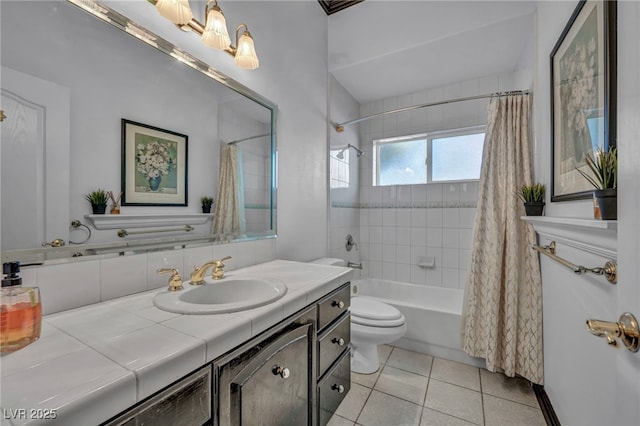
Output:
x=70 y=81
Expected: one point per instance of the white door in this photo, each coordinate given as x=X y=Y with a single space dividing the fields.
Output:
x=627 y=368
x=35 y=161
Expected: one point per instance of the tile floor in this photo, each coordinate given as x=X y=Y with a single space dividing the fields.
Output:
x=416 y=389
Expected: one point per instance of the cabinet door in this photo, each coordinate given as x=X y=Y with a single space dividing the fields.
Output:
x=274 y=386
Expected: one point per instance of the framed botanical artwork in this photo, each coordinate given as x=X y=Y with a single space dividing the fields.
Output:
x=583 y=95
x=154 y=166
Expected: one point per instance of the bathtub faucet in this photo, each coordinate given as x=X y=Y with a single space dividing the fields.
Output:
x=354 y=265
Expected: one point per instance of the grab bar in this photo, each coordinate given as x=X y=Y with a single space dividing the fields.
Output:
x=123 y=232
x=609 y=270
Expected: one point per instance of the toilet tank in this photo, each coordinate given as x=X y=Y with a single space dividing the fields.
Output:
x=331 y=261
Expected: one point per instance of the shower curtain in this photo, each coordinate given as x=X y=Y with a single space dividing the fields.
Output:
x=502 y=318
x=229 y=218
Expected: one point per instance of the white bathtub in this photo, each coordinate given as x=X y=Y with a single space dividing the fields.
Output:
x=433 y=316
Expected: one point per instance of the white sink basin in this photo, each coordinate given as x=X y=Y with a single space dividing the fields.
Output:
x=217 y=297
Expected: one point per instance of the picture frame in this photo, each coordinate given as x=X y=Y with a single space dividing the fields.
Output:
x=583 y=95
x=154 y=166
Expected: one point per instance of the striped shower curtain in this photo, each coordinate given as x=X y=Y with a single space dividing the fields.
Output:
x=502 y=318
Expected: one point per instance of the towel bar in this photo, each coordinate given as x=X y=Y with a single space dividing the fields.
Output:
x=609 y=270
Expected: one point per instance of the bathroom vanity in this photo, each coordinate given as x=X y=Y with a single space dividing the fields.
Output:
x=127 y=362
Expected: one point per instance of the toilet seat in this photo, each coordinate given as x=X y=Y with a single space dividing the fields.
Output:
x=369 y=312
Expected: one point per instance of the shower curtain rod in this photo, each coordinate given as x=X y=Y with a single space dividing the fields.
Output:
x=340 y=127
x=248 y=139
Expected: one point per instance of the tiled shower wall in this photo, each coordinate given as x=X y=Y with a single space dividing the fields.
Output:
x=399 y=225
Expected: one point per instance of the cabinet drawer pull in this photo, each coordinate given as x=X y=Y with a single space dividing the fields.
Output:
x=337 y=387
x=280 y=371
x=339 y=304
x=338 y=341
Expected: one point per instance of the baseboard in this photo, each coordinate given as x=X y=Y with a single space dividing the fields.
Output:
x=545 y=405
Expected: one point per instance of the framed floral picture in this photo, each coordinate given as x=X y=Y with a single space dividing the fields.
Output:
x=154 y=166
x=583 y=95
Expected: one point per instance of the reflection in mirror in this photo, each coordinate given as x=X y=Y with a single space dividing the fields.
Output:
x=68 y=80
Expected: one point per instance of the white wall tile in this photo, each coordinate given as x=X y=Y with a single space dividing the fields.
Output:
x=450 y=277
x=389 y=217
x=403 y=216
x=69 y=285
x=450 y=258
x=451 y=218
x=403 y=255
x=434 y=192
x=389 y=235
x=434 y=218
x=389 y=253
x=450 y=238
x=433 y=237
x=418 y=217
x=389 y=271
x=403 y=235
x=121 y=276
x=418 y=237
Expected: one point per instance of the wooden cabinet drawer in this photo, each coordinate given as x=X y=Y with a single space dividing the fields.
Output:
x=334 y=387
x=332 y=342
x=332 y=306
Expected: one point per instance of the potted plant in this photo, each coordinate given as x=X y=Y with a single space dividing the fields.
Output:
x=98 y=200
x=206 y=204
x=604 y=178
x=533 y=198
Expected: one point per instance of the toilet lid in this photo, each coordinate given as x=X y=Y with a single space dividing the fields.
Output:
x=365 y=311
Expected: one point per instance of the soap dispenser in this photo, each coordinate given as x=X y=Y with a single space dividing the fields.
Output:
x=20 y=310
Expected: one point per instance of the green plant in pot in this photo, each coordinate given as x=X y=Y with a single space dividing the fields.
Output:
x=533 y=198
x=206 y=203
x=98 y=200
x=603 y=168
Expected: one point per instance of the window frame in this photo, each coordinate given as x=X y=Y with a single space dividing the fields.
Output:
x=428 y=137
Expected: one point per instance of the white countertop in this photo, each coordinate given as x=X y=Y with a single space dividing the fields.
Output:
x=93 y=362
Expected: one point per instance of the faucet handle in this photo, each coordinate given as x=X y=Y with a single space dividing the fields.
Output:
x=218 y=269
x=219 y=262
x=175 y=281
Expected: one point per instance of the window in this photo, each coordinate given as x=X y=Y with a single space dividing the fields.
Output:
x=430 y=157
x=339 y=169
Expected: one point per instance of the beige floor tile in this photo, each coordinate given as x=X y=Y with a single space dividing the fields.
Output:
x=367 y=380
x=410 y=361
x=456 y=373
x=500 y=412
x=435 y=418
x=403 y=384
x=512 y=388
x=383 y=352
x=352 y=404
x=336 y=420
x=455 y=400
x=385 y=410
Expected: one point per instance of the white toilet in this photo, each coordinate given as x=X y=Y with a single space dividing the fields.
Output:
x=373 y=323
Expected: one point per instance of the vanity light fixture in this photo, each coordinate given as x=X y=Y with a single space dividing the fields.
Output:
x=214 y=32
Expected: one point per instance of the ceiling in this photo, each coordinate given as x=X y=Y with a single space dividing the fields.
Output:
x=384 y=48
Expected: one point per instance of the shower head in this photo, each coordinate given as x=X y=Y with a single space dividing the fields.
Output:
x=340 y=154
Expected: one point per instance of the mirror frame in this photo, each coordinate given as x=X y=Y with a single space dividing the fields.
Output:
x=121 y=248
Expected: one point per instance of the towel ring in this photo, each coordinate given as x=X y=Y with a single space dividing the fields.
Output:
x=75 y=224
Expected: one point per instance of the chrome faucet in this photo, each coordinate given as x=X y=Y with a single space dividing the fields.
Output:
x=197 y=276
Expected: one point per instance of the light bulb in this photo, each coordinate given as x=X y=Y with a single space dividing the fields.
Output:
x=246 y=52
x=215 y=33
x=177 y=11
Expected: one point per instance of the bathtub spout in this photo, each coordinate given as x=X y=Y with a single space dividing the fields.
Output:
x=354 y=265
